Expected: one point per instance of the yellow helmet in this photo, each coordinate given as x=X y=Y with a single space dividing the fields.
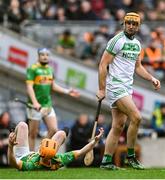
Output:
x=132 y=17
x=48 y=148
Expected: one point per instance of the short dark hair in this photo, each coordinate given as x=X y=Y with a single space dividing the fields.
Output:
x=67 y=32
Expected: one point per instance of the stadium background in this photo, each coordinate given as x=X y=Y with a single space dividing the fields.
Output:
x=29 y=24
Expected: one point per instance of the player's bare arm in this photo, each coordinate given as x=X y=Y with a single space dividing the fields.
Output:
x=106 y=59
x=72 y=92
x=32 y=96
x=90 y=145
x=11 y=157
x=141 y=71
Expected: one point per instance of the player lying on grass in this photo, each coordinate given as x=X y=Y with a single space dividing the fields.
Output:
x=20 y=157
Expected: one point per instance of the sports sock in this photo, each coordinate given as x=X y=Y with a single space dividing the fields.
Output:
x=107 y=158
x=131 y=152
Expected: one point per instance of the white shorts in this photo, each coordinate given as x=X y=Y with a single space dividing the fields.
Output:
x=37 y=115
x=20 y=152
x=114 y=93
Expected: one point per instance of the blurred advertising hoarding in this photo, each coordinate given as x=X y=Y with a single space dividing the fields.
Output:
x=18 y=55
x=146 y=100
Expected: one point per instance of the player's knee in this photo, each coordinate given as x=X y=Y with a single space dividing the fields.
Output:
x=117 y=129
x=23 y=126
x=62 y=133
x=136 y=118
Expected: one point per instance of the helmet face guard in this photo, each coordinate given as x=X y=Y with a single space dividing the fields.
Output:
x=132 y=17
x=48 y=148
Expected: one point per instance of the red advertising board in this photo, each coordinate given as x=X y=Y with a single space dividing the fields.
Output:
x=18 y=56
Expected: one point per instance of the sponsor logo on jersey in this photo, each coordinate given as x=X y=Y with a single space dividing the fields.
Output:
x=131 y=47
x=130 y=56
x=43 y=79
x=131 y=51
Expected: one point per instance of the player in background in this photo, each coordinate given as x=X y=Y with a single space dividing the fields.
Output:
x=40 y=82
x=118 y=63
x=20 y=157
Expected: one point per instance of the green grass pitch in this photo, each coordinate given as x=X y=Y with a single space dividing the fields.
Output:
x=83 y=173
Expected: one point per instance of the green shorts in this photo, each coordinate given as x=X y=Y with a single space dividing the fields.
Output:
x=66 y=158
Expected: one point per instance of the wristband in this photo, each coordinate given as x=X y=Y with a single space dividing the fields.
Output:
x=152 y=78
x=66 y=91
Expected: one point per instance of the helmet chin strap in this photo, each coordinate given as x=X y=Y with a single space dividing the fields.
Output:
x=43 y=63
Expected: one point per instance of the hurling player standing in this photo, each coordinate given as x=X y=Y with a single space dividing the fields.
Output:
x=122 y=57
x=40 y=82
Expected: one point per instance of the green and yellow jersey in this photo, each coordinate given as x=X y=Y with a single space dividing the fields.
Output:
x=41 y=77
x=69 y=43
x=33 y=161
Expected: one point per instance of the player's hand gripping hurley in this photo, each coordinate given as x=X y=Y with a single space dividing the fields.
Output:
x=44 y=111
x=25 y=103
x=90 y=156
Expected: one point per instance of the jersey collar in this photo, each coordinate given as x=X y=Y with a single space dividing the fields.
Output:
x=39 y=64
x=128 y=36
